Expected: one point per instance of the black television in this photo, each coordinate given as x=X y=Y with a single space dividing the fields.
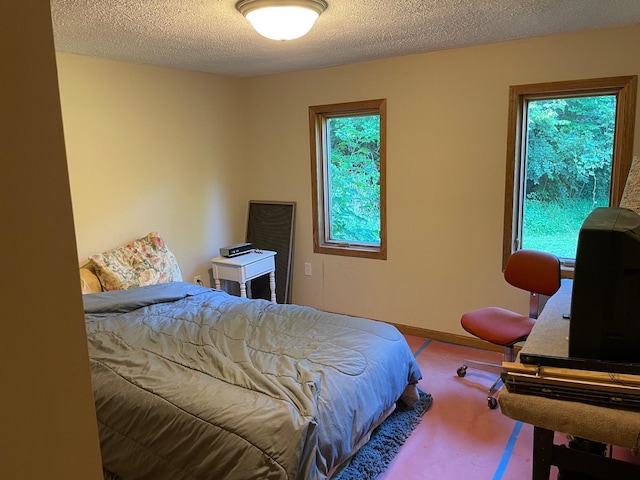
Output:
x=605 y=302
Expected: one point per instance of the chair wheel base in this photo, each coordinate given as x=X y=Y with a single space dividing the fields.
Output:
x=491 y=401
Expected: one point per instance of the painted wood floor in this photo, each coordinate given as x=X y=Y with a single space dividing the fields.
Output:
x=459 y=437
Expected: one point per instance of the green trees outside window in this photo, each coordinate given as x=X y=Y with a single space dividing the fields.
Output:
x=569 y=149
x=348 y=165
x=569 y=158
x=354 y=178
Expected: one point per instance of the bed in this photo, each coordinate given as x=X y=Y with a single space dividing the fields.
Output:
x=193 y=383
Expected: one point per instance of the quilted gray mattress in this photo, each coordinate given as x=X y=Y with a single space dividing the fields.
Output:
x=192 y=383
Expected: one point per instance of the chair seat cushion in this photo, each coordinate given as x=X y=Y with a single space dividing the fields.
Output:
x=497 y=325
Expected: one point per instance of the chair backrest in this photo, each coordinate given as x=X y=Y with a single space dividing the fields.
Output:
x=537 y=272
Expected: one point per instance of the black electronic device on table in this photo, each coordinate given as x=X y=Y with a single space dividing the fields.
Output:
x=235 y=250
x=605 y=301
x=589 y=364
x=604 y=324
x=604 y=321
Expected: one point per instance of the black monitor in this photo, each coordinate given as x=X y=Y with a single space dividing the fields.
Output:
x=605 y=303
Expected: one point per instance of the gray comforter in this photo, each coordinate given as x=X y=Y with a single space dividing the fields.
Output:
x=192 y=383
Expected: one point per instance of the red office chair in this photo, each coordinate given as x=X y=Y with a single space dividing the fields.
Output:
x=537 y=272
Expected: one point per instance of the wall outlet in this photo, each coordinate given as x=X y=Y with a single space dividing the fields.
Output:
x=198 y=280
x=307 y=269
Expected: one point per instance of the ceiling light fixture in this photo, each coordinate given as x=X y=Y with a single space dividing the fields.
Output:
x=282 y=19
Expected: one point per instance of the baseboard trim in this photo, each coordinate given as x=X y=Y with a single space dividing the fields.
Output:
x=448 y=337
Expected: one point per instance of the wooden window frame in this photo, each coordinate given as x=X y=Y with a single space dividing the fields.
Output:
x=318 y=116
x=624 y=88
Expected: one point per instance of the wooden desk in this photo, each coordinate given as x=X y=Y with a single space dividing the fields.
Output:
x=246 y=267
x=601 y=424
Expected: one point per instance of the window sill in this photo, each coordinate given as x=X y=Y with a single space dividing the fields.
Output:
x=352 y=251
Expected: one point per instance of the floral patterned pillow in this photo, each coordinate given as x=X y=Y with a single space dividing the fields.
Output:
x=146 y=261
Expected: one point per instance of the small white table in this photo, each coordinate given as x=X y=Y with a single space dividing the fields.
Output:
x=246 y=267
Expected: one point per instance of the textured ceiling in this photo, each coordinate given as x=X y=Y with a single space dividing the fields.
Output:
x=212 y=36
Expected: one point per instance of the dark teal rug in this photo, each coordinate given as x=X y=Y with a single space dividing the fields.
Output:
x=372 y=459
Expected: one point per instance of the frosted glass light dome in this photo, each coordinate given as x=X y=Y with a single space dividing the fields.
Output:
x=284 y=19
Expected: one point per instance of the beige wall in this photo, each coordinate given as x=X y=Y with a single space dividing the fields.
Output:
x=184 y=152
x=47 y=417
x=153 y=149
x=447 y=126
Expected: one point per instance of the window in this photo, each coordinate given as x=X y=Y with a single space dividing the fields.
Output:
x=348 y=142
x=569 y=150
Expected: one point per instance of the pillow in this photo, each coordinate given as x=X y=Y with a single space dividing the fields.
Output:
x=89 y=282
x=146 y=261
x=631 y=194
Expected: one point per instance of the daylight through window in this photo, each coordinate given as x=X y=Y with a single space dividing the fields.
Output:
x=348 y=166
x=570 y=148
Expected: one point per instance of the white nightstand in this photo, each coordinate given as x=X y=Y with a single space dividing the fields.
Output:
x=246 y=267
